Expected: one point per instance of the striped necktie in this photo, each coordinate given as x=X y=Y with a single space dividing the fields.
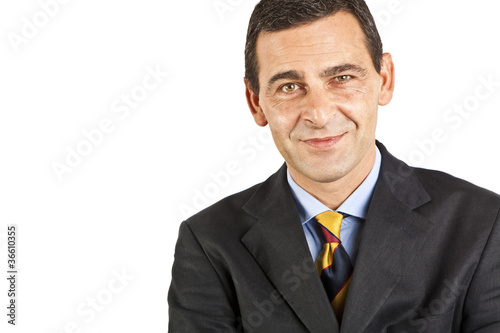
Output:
x=333 y=263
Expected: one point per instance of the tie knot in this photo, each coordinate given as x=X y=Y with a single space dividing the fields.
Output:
x=331 y=221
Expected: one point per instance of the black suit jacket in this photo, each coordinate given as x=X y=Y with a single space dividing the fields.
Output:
x=428 y=261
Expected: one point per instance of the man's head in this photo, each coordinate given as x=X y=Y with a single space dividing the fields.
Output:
x=318 y=83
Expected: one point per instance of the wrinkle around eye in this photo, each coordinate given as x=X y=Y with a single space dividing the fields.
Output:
x=280 y=95
x=277 y=103
x=352 y=83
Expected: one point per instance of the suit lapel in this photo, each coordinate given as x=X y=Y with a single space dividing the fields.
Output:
x=392 y=234
x=278 y=244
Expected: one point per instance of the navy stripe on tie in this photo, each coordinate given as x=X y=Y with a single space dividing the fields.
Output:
x=335 y=276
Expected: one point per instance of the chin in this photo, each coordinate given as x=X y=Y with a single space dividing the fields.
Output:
x=325 y=175
x=328 y=178
x=321 y=169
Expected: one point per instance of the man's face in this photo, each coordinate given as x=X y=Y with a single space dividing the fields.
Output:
x=319 y=93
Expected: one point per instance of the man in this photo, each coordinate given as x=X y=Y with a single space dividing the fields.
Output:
x=417 y=250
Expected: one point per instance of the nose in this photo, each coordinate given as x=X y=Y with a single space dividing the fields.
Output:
x=318 y=108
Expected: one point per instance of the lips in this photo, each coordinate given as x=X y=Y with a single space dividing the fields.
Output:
x=324 y=143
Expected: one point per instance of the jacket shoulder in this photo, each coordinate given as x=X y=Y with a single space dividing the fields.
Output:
x=441 y=182
x=448 y=190
x=225 y=213
x=417 y=186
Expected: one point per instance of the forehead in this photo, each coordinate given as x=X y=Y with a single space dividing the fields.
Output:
x=335 y=39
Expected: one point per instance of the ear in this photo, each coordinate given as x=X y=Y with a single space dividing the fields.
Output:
x=254 y=105
x=387 y=80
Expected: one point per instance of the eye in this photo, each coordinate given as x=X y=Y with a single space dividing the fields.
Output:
x=289 y=87
x=343 y=78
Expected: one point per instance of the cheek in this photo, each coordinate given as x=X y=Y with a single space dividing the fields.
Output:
x=360 y=105
x=282 y=116
x=279 y=106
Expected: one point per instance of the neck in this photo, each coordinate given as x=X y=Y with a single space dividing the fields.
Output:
x=333 y=194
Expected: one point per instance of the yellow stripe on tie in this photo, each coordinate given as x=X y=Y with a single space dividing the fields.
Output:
x=325 y=258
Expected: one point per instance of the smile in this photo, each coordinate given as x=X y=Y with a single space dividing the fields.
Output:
x=323 y=143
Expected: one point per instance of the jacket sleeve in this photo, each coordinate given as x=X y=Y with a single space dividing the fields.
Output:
x=482 y=304
x=197 y=299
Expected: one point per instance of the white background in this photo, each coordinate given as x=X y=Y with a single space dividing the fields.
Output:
x=120 y=208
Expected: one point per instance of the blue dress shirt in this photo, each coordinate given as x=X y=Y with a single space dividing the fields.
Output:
x=354 y=209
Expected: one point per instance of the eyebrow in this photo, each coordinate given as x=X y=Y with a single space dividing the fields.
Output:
x=288 y=75
x=332 y=71
x=336 y=70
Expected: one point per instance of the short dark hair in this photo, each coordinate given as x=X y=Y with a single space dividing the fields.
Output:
x=276 y=15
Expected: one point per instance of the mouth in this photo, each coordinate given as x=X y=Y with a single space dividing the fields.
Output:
x=325 y=143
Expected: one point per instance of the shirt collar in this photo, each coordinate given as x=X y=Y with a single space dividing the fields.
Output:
x=355 y=205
